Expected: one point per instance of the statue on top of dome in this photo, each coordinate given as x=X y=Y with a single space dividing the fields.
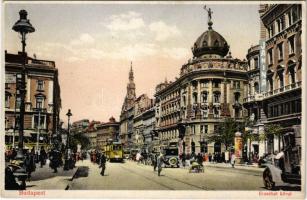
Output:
x=209 y=13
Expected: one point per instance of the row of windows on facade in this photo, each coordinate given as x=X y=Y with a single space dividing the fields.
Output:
x=215 y=84
x=204 y=114
x=205 y=97
x=284 y=21
x=39 y=101
x=40 y=84
x=280 y=50
x=280 y=79
x=35 y=119
x=286 y=108
x=203 y=84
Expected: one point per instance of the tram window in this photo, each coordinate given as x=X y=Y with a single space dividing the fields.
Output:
x=117 y=148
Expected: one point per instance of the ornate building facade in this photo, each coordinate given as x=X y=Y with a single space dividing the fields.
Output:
x=283 y=98
x=210 y=88
x=275 y=74
x=42 y=100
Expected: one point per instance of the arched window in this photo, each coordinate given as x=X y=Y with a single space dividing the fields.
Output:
x=216 y=97
x=205 y=43
x=256 y=86
x=195 y=97
x=291 y=72
x=39 y=101
x=193 y=147
x=205 y=97
x=280 y=76
x=216 y=43
x=237 y=97
x=269 y=80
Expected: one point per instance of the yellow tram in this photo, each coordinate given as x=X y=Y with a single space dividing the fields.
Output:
x=114 y=151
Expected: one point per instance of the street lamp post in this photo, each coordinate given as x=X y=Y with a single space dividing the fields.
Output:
x=22 y=26
x=67 y=159
x=38 y=130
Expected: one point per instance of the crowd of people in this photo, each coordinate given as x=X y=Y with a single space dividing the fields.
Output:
x=33 y=159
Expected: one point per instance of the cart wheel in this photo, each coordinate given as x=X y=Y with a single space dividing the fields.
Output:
x=267 y=180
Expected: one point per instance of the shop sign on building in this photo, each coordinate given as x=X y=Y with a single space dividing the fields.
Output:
x=262 y=66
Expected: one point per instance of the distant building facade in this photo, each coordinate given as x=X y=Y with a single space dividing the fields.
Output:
x=42 y=100
x=141 y=126
x=127 y=113
x=79 y=126
x=107 y=131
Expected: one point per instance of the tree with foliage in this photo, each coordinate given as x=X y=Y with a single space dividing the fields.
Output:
x=225 y=132
x=274 y=130
x=78 y=138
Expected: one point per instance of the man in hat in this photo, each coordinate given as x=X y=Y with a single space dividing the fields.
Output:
x=10 y=179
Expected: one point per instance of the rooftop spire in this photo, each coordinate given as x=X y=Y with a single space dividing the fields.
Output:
x=210 y=23
x=131 y=77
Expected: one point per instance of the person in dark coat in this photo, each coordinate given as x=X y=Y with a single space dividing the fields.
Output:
x=183 y=159
x=29 y=163
x=10 y=180
x=154 y=160
x=42 y=156
x=54 y=160
x=199 y=159
x=102 y=164
x=210 y=157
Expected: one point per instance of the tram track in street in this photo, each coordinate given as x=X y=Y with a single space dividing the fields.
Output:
x=150 y=179
x=171 y=178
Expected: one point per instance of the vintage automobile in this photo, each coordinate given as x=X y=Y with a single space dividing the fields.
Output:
x=286 y=166
x=171 y=156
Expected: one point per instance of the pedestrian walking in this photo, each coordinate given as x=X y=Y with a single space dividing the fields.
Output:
x=210 y=157
x=138 y=157
x=227 y=156
x=42 y=156
x=102 y=164
x=160 y=162
x=232 y=160
x=54 y=157
x=154 y=161
x=29 y=164
x=199 y=159
x=183 y=159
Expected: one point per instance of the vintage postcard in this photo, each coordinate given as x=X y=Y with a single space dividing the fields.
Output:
x=153 y=99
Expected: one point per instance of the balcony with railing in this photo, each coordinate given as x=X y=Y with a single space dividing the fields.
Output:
x=252 y=98
x=283 y=89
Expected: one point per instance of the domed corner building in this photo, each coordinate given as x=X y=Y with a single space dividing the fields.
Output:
x=211 y=87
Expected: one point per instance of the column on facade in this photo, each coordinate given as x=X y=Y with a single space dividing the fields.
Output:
x=198 y=91
x=210 y=92
x=190 y=93
x=28 y=92
x=50 y=95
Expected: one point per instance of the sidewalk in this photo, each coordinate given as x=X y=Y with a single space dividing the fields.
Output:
x=45 y=179
x=253 y=167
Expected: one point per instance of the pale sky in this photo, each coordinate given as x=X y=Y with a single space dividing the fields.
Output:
x=93 y=44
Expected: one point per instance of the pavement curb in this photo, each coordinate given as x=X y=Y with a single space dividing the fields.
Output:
x=71 y=179
x=237 y=168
